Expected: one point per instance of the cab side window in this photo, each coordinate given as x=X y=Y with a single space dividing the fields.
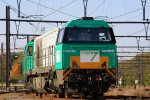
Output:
x=30 y=50
x=60 y=36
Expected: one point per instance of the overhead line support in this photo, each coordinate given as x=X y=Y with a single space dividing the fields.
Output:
x=18 y=3
x=133 y=36
x=143 y=6
x=44 y=21
x=128 y=22
x=2 y=58
x=7 y=48
x=50 y=21
x=22 y=34
x=85 y=7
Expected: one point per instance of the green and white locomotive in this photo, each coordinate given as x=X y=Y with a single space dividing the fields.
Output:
x=78 y=58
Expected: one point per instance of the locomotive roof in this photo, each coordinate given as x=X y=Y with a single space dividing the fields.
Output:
x=31 y=42
x=86 y=23
x=45 y=34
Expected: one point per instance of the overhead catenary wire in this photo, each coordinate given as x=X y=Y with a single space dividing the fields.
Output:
x=52 y=21
x=16 y=11
x=53 y=9
x=56 y=10
x=127 y=13
x=97 y=7
x=38 y=7
x=133 y=34
x=29 y=22
x=32 y=24
x=146 y=28
x=60 y=9
x=37 y=13
x=11 y=7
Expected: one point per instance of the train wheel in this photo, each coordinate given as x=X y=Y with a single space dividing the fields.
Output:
x=83 y=96
x=95 y=96
x=57 y=95
x=66 y=95
x=60 y=95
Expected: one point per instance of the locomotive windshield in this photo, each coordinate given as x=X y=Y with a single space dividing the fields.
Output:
x=87 y=35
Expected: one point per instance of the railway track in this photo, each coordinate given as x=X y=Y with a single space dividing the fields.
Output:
x=32 y=96
x=123 y=97
x=110 y=95
x=104 y=97
x=120 y=97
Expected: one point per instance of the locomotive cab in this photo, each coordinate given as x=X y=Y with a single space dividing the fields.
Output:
x=28 y=65
x=84 y=36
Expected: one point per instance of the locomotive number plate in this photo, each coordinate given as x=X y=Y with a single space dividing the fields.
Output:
x=89 y=56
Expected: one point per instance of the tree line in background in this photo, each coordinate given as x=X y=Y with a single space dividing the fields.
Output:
x=15 y=66
x=135 y=70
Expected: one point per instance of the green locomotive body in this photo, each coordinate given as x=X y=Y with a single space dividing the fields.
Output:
x=79 y=57
x=28 y=58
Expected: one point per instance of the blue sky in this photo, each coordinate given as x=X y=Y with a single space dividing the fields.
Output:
x=114 y=10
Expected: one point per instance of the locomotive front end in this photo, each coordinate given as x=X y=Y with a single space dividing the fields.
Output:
x=86 y=52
